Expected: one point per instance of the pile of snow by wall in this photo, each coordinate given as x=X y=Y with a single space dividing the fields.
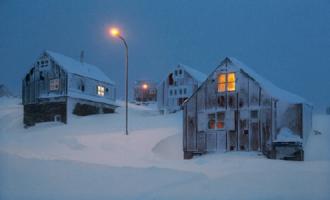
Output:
x=318 y=143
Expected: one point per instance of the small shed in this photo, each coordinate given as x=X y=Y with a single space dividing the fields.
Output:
x=57 y=86
x=145 y=91
x=236 y=109
x=178 y=85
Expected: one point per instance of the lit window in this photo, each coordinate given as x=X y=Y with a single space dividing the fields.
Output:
x=211 y=121
x=231 y=79
x=227 y=82
x=222 y=83
x=54 y=84
x=100 y=90
x=220 y=120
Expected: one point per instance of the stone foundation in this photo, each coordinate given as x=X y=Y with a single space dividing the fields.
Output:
x=44 y=112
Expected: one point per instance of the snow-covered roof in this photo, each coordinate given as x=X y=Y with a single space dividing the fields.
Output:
x=267 y=85
x=199 y=76
x=80 y=68
x=286 y=135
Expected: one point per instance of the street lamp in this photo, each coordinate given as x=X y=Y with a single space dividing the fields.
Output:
x=144 y=92
x=116 y=33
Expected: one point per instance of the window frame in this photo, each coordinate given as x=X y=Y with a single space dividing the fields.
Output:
x=223 y=83
x=215 y=120
x=100 y=90
x=54 y=84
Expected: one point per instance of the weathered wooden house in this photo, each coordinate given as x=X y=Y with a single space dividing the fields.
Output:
x=178 y=85
x=236 y=109
x=145 y=91
x=57 y=86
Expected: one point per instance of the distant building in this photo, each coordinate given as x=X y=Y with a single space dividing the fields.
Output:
x=5 y=92
x=145 y=91
x=328 y=111
x=57 y=85
x=236 y=109
x=178 y=85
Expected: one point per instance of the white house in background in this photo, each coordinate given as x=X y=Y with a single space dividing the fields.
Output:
x=178 y=85
x=57 y=85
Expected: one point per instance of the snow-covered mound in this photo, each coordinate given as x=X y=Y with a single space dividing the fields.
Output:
x=286 y=135
x=170 y=147
x=92 y=158
x=318 y=144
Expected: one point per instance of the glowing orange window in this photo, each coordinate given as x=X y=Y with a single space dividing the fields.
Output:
x=222 y=83
x=220 y=120
x=231 y=82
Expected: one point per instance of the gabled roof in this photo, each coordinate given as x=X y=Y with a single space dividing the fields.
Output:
x=199 y=76
x=75 y=67
x=269 y=87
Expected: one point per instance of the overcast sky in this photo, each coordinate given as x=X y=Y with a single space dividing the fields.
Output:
x=286 y=41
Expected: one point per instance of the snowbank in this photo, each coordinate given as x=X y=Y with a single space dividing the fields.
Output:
x=92 y=158
x=286 y=135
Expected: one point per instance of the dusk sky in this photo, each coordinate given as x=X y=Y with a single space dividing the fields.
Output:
x=286 y=41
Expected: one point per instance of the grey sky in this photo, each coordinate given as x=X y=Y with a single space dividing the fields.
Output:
x=287 y=42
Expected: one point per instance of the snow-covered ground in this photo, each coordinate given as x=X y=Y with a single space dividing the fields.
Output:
x=91 y=158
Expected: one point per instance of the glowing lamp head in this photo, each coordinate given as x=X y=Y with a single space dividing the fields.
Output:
x=114 y=32
x=145 y=86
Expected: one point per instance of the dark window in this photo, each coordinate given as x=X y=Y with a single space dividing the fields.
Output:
x=180 y=71
x=254 y=114
x=211 y=121
x=180 y=91
x=171 y=92
x=41 y=76
x=241 y=103
x=220 y=120
x=231 y=101
x=246 y=132
x=174 y=92
x=185 y=91
x=221 y=101
x=170 y=79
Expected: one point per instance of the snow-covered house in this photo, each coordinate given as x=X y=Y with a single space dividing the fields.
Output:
x=236 y=109
x=178 y=85
x=57 y=85
x=145 y=91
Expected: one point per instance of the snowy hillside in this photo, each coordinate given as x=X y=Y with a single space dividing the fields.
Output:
x=91 y=158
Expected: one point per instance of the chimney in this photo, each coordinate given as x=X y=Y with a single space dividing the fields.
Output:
x=82 y=55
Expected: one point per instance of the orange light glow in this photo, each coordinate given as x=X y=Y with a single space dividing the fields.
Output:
x=114 y=32
x=222 y=83
x=231 y=78
x=145 y=86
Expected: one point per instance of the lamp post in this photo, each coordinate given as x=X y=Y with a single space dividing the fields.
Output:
x=144 y=93
x=116 y=33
